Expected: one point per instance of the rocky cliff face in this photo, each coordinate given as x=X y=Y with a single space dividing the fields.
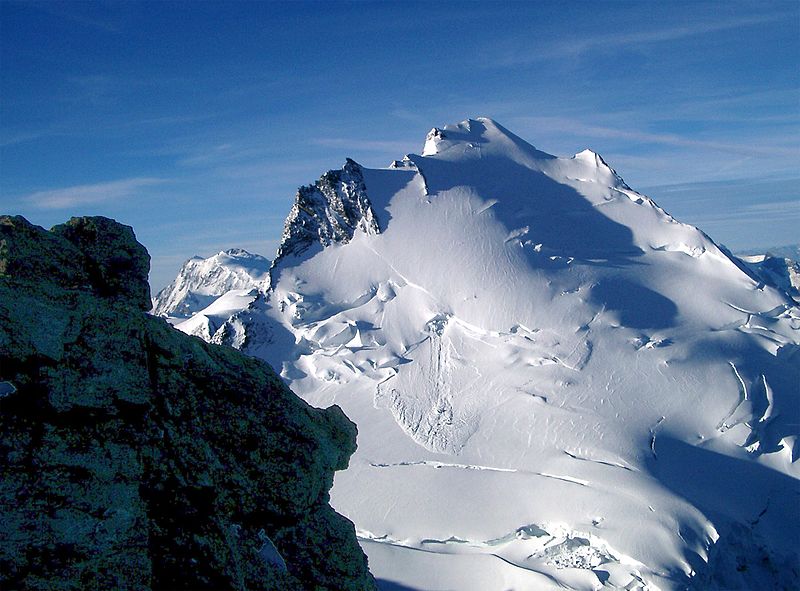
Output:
x=328 y=211
x=136 y=457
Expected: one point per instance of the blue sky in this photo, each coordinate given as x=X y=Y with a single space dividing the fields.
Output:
x=196 y=122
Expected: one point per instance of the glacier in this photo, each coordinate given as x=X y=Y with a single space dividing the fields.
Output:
x=556 y=384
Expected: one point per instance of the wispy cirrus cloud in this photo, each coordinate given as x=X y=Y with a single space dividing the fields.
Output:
x=366 y=145
x=103 y=127
x=740 y=212
x=77 y=14
x=772 y=211
x=577 y=46
x=67 y=197
x=12 y=139
x=587 y=130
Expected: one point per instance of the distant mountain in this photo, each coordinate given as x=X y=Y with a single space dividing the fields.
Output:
x=777 y=266
x=201 y=281
x=787 y=251
x=556 y=384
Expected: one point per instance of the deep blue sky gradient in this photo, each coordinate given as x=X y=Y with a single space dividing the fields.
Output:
x=196 y=122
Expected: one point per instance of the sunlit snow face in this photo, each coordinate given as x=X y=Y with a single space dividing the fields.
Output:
x=541 y=363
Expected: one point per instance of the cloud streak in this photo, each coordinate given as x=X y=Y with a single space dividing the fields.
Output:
x=580 y=45
x=88 y=194
x=765 y=213
x=671 y=139
x=392 y=146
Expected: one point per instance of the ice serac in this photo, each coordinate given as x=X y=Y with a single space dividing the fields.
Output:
x=135 y=457
x=557 y=384
x=201 y=281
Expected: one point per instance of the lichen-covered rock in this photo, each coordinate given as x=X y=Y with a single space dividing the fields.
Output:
x=135 y=457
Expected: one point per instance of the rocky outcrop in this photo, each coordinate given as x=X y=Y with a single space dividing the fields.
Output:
x=328 y=211
x=135 y=457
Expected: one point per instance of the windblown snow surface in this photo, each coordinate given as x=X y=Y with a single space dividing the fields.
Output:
x=556 y=384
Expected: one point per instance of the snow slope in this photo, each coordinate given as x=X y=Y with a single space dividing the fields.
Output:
x=556 y=384
x=201 y=281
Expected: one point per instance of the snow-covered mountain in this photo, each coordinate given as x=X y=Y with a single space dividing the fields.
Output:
x=201 y=281
x=780 y=272
x=556 y=384
x=778 y=266
x=786 y=251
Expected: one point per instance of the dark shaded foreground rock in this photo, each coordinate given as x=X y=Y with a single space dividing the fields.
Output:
x=135 y=457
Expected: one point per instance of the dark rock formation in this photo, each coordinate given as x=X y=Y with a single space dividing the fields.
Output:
x=328 y=211
x=135 y=457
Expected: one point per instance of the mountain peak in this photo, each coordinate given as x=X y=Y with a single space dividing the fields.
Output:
x=236 y=252
x=201 y=281
x=588 y=155
x=591 y=157
x=329 y=211
x=480 y=130
x=478 y=137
